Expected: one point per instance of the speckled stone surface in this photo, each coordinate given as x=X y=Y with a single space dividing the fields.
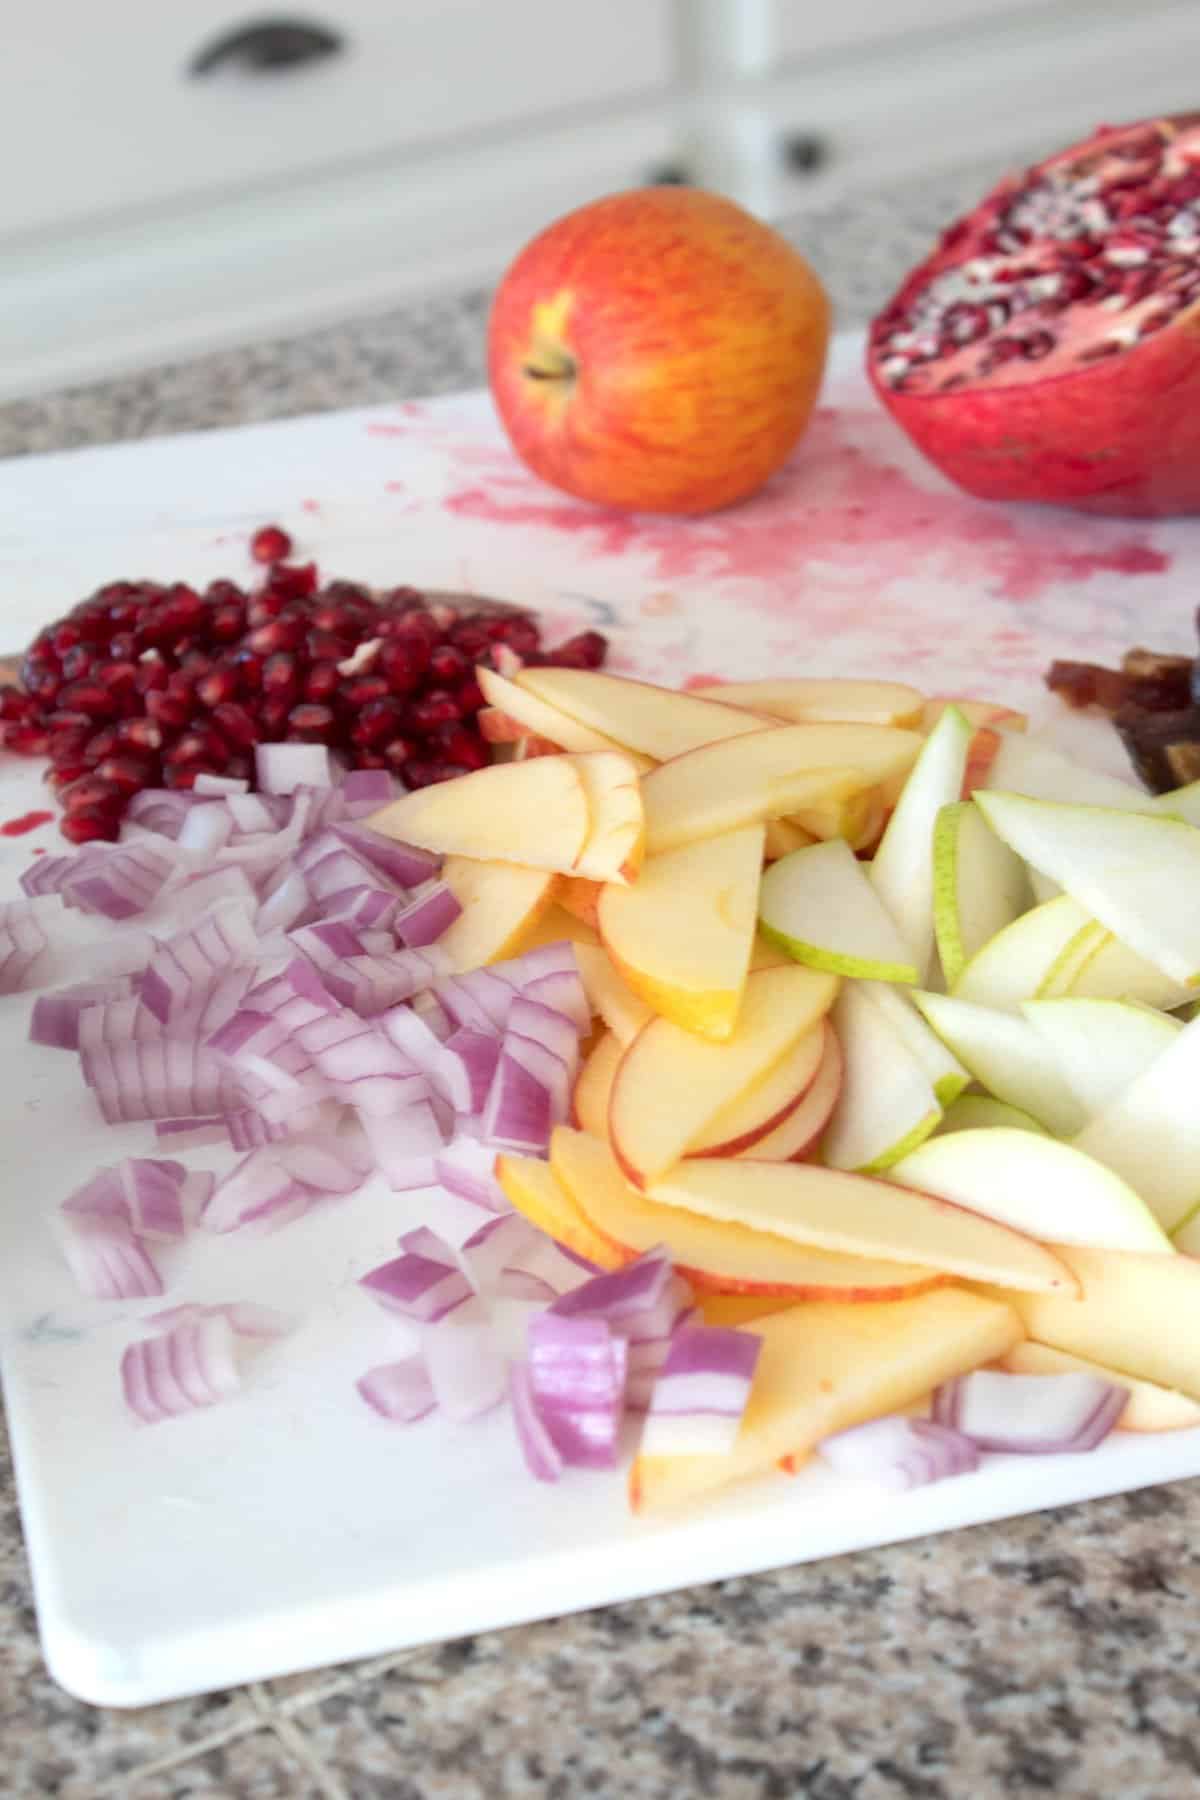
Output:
x=1058 y=1653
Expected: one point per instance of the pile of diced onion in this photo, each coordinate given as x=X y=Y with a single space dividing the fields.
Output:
x=261 y=970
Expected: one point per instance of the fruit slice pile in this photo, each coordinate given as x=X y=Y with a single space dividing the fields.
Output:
x=146 y=685
x=769 y=902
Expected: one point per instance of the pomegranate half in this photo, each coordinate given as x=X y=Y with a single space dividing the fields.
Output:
x=1049 y=348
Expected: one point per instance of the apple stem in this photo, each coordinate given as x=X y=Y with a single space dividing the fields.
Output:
x=551 y=365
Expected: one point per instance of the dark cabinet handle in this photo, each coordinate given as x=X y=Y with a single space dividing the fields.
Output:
x=267 y=44
x=803 y=152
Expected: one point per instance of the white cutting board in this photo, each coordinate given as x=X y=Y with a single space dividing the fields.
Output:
x=291 y=1528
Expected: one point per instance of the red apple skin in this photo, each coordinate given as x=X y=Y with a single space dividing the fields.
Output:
x=659 y=350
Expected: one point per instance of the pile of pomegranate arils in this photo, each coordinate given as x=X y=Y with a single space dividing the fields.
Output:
x=148 y=685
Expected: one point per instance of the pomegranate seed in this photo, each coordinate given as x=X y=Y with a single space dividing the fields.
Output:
x=91 y=697
x=270 y=544
x=64 y=772
x=273 y=717
x=101 y=744
x=465 y=749
x=41 y=680
x=140 y=734
x=26 y=740
x=120 y=678
x=69 y=732
x=471 y=638
x=322 y=681
x=428 y=774
x=293 y=581
x=264 y=606
x=195 y=747
x=586 y=651
x=183 y=775
x=414 y=624
x=377 y=720
x=437 y=707
x=447 y=663
x=367 y=759
x=14 y=705
x=91 y=824
x=91 y=790
x=65 y=637
x=326 y=646
x=396 y=752
x=470 y=698
x=170 y=710
x=519 y=633
x=402 y=663
x=219 y=684
x=228 y=621
x=249 y=667
x=180 y=611
x=128 y=773
x=276 y=635
x=235 y=725
x=360 y=690
x=280 y=677
x=311 y=721
x=151 y=675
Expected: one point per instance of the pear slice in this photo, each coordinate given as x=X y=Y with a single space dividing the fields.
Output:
x=806 y=699
x=1098 y=966
x=820 y=906
x=683 y=933
x=979 y=885
x=887 y=1104
x=1101 y=1046
x=979 y=1112
x=831 y=1209
x=902 y=870
x=774 y=773
x=1014 y=965
x=1150 y=1407
x=946 y=1073
x=1036 y=1185
x=1030 y=766
x=1181 y=803
x=1137 y=873
x=1150 y=1132
x=1008 y=1056
x=658 y=722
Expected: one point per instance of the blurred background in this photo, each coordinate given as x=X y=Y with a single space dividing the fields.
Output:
x=192 y=175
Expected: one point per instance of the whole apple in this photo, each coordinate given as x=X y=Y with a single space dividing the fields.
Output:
x=659 y=350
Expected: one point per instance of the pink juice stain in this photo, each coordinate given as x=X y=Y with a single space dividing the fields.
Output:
x=25 y=822
x=840 y=502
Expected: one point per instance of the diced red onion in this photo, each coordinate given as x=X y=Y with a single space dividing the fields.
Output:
x=23 y=942
x=253 y=813
x=285 y=904
x=467 y=1169
x=206 y=784
x=187 y=1134
x=700 y=1397
x=256 y=1191
x=564 y=992
x=466 y=1368
x=577 y=1373
x=155 y=1078
x=900 y=1453
x=431 y=911
x=542 y=1456
x=47 y=875
x=405 y=1145
x=193 y=896
x=422 y=1241
x=189 y=1366
x=106 y=1259
x=404 y=864
x=365 y=791
x=364 y=908
x=480 y=999
x=161 y=810
x=370 y=984
x=326 y=1167
x=1030 y=1414
x=518 y=1113
x=118 y=882
x=542 y=1066
x=418 y=1287
x=102 y=1196
x=473 y=1055
x=206 y=829
x=153 y=1194
x=327 y=942
x=642 y=1301
x=188 y=965
x=282 y=768
x=400 y=1391
x=54 y=1020
x=494 y=1248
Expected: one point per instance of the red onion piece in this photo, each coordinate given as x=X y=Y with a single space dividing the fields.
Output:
x=405 y=1145
x=367 y=907
x=1030 y=1414
x=494 y=1248
x=365 y=791
x=220 y=785
x=256 y=1191
x=467 y=1169
x=118 y=882
x=563 y=991
x=422 y=1241
x=700 y=1397
x=285 y=904
x=577 y=1373
x=107 y=1261
x=518 y=1114
x=186 y=968
x=418 y=1287
x=282 y=768
x=466 y=1368
x=23 y=942
x=187 y=1134
x=400 y=1392
x=900 y=1453
x=189 y=1366
x=153 y=1193
x=431 y=911
x=54 y=1020
x=542 y=1457
x=102 y=1196
x=206 y=829
x=403 y=864
x=473 y=1056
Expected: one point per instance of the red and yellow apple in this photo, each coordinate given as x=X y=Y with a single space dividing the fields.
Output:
x=659 y=350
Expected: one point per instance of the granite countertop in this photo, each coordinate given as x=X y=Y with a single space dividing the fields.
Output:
x=1051 y=1653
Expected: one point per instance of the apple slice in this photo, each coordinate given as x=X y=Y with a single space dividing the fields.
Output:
x=553 y=926
x=717 y=1256
x=1150 y=1132
x=819 y=905
x=979 y=885
x=501 y=903
x=859 y=1215
x=594 y=1085
x=1139 y=1314
x=1035 y=1185
x=945 y=1072
x=542 y=720
x=1016 y=963
x=658 y=722
x=887 y=1103
x=616 y=840
x=682 y=935
x=754 y=1115
x=671 y=1084
x=741 y=1309
x=823 y=1368
x=580 y=897
x=769 y=774
x=902 y=869
x=1034 y=768
x=977 y=713
x=782 y=836
x=1101 y=1046
x=979 y=1112
x=1137 y=873
x=1008 y=1056
x=1149 y=1408
x=623 y=1011
x=536 y=1193
x=533 y=813
x=813 y=699
x=798 y=1135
